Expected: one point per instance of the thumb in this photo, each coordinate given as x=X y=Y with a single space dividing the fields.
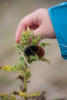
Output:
x=38 y=31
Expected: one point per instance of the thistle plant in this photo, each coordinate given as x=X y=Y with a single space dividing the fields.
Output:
x=30 y=49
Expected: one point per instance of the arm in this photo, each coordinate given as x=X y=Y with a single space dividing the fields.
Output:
x=58 y=16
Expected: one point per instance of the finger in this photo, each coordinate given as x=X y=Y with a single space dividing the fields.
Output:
x=27 y=21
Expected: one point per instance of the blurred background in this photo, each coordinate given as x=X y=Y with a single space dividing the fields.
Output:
x=52 y=77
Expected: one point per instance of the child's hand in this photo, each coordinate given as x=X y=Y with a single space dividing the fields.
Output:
x=39 y=21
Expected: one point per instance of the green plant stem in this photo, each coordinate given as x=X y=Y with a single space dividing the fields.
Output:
x=25 y=87
x=25 y=82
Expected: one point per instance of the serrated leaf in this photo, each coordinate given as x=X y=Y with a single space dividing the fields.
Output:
x=33 y=58
x=28 y=74
x=45 y=60
x=7 y=68
x=44 y=44
x=21 y=61
x=34 y=94
x=7 y=97
x=34 y=42
x=17 y=46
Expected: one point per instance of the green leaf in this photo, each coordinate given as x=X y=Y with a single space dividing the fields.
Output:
x=21 y=61
x=38 y=37
x=44 y=44
x=17 y=46
x=34 y=42
x=18 y=67
x=28 y=74
x=7 y=97
x=44 y=59
x=33 y=58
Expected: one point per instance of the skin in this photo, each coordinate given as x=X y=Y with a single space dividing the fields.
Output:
x=39 y=21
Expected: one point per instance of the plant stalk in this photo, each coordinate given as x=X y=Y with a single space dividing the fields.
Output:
x=25 y=82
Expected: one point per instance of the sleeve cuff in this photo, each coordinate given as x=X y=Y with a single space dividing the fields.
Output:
x=58 y=16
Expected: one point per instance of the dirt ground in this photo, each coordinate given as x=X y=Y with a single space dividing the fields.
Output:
x=49 y=77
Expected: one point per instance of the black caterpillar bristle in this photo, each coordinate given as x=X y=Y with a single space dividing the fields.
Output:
x=32 y=50
x=40 y=51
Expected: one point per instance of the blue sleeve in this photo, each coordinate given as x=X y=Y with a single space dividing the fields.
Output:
x=58 y=16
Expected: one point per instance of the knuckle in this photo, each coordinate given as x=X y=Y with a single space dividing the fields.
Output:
x=41 y=10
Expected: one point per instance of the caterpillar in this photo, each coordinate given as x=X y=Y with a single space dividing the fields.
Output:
x=35 y=49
